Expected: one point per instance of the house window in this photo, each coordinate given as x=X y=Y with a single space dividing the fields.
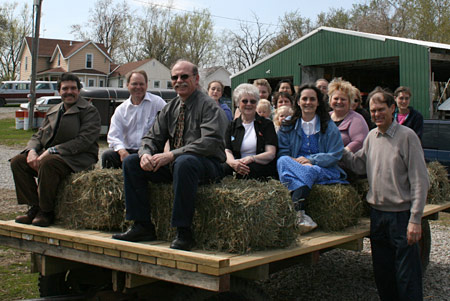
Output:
x=169 y=84
x=91 y=82
x=156 y=84
x=59 y=60
x=121 y=83
x=89 y=60
x=26 y=63
x=101 y=83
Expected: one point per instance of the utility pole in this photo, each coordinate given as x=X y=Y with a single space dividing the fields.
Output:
x=34 y=56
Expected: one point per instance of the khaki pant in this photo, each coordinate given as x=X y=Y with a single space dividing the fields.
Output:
x=52 y=171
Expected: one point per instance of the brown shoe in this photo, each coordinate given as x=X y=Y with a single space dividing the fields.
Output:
x=29 y=216
x=44 y=219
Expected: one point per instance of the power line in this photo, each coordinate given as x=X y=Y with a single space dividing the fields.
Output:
x=214 y=16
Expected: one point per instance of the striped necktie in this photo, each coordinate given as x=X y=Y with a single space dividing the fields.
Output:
x=180 y=127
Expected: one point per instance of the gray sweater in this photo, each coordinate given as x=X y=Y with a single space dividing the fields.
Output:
x=395 y=168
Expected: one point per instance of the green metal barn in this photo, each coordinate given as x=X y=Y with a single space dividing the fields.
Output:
x=366 y=60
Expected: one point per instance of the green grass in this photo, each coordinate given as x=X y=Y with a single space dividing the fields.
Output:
x=10 y=136
x=16 y=281
x=444 y=219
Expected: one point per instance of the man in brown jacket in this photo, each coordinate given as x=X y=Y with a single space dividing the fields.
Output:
x=66 y=143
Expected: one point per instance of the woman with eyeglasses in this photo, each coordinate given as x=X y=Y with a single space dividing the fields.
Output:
x=215 y=91
x=251 y=141
x=310 y=147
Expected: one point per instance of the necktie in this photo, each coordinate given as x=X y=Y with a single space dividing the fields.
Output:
x=180 y=127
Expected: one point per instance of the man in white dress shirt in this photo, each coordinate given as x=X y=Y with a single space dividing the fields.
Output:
x=131 y=120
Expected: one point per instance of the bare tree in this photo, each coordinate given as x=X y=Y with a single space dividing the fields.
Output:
x=17 y=27
x=245 y=47
x=107 y=24
x=292 y=26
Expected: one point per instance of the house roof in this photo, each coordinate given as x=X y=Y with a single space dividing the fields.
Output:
x=373 y=36
x=89 y=71
x=125 y=68
x=53 y=70
x=47 y=47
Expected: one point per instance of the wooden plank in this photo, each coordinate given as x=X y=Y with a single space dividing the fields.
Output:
x=159 y=250
x=15 y=234
x=194 y=279
x=78 y=246
x=260 y=272
x=5 y=232
x=95 y=249
x=66 y=244
x=147 y=259
x=186 y=266
x=166 y=262
x=111 y=252
x=128 y=255
x=40 y=238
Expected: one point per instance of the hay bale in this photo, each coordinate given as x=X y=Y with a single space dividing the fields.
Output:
x=235 y=216
x=439 y=186
x=92 y=200
x=334 y=207
x=362 y=188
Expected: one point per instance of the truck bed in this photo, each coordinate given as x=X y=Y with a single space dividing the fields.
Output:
x=203 y=269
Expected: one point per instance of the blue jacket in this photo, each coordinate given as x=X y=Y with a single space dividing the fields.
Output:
x=331 y=146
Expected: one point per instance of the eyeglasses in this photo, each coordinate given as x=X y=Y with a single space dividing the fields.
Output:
x=182 y=76
x=245 y=101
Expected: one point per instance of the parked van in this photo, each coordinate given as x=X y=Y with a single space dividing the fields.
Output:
x=17 y=91
x=436 y=141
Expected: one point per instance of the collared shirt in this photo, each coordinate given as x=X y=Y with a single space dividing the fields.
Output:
x=205 y=124
x=131 y=122
x=309 y=127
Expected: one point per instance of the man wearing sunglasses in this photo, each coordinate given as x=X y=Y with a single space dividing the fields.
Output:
x=195 y=127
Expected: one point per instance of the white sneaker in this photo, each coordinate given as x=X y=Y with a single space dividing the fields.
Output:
x=305 y=222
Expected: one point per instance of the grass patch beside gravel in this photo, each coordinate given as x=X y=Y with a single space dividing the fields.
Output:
x=16 y=281
x=10 y=136
x=444 y=219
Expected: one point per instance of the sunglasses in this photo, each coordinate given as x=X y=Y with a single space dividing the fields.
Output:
x=182 y=76
x=246 y=101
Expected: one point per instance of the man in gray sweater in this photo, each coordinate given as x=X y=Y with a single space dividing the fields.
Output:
x=392 y=158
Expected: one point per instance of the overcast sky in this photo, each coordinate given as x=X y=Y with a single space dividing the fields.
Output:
x=59 y=15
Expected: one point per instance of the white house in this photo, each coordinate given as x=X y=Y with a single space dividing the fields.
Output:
x=158 y=74
x=207 y=75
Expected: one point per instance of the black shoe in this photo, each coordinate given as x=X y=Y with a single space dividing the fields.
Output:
x=137 y=232
x=29 y=216
x=44 y=219
x=184 y=240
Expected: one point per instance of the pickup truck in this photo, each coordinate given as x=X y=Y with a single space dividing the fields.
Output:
x=436 y=141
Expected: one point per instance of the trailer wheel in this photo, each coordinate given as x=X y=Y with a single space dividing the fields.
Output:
x=240 y=290
x=53 y=285
x=425 y=245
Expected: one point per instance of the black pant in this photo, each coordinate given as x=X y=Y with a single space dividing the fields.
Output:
x=52 y=170
x=111 y=158
x=187 y=173
x=396 y=265
x=257 y=171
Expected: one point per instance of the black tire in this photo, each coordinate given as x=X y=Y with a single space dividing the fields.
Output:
x=2 y=102
x=53 y=285
x=240 y=290
x=425 y=245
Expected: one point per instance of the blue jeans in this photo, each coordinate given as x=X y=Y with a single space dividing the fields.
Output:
x=396 y=265
x=188 y=171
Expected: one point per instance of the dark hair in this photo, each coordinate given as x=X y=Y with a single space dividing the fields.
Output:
x=321 y=110
x=403 y=89
x=276 y=96
x=285 y=81
x=67 y=76
x=142 y=72
x=216 y=81
x=388 y=98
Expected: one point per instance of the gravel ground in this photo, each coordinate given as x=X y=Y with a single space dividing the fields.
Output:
x=339 y=274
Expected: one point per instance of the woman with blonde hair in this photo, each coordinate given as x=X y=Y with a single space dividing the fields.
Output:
x=352 y=125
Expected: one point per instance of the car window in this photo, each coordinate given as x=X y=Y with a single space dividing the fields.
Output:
x=43 y=86
x=54 y=101
x=23 y=86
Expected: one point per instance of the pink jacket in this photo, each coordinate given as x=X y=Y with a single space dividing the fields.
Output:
x=353 y=131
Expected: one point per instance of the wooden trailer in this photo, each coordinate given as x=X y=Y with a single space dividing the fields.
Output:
x=73 y=261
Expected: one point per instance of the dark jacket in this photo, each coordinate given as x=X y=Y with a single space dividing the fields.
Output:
x=265 y=135
x=414 y=121
x=76 y=137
